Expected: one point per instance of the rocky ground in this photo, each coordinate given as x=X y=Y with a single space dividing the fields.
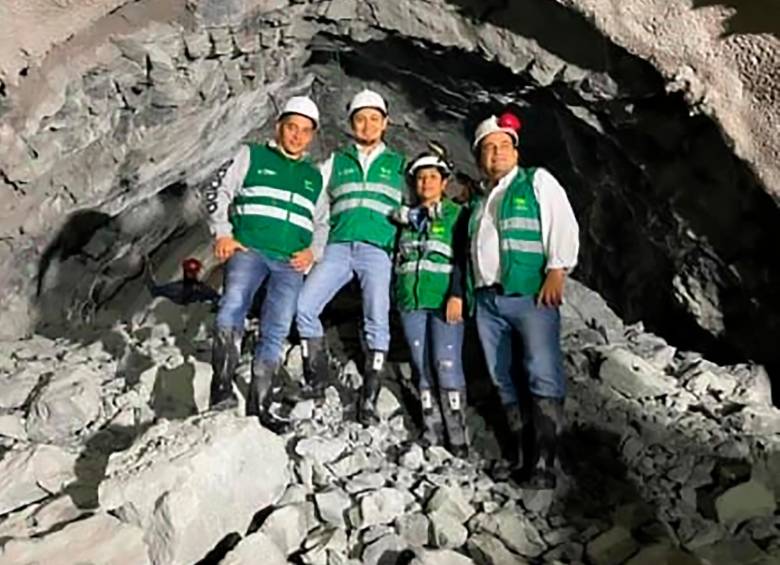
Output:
x=109 y=455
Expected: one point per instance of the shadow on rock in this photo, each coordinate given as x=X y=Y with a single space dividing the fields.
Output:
x=91 y=465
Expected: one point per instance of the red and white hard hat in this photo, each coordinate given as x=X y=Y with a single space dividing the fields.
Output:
x=506 y=122
x=304 y=106
x=367 y=99
x=191 y=265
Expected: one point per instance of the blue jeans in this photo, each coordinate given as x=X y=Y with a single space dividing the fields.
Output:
x=436 y=348
x=339 y=263
x=539 y=328
x=246 y=271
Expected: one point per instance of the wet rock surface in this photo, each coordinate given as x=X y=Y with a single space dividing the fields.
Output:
x=665 y=472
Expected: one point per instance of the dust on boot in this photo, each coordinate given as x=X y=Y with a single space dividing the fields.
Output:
x=433 y=422
x=263 y=373
x=547 y=414
x=316 y=372
x=225 y=355
x=367 y=413
x=453 y=403
x=515 y=421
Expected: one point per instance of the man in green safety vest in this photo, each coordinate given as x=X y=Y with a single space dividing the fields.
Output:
x=263 y=215
x=364 y=184
x=524 y=239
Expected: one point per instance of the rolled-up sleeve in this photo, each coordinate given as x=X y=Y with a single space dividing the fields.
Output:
x=219 y=207
x=560 y=231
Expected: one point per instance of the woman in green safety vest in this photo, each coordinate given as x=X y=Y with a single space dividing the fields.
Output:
x=429 y=286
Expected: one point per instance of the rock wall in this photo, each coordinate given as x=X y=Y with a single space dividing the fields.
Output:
x=107 y=138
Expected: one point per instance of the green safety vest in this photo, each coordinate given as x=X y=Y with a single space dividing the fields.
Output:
x=273 y=212
x=361 y=202
x=521 y=252
x=424 y=262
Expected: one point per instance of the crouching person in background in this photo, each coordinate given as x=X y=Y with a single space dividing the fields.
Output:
x=429 y=285
x=263 y=218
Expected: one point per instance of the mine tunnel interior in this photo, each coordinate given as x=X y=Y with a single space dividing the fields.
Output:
x=676 y=231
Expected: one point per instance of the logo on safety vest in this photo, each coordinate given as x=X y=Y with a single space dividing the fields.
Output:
x=269 y=172
x=348 y=171
x=308 y=185
x=520 y=203
x=437 y=229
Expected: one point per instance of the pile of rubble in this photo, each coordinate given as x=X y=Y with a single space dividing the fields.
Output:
x=108 y=455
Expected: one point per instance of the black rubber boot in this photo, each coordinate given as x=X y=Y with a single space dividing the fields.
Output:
x=367 y=413
x=263 y=374
x=547 y=416
x=225 y=354
x=316 y=372
x=515 y=421
x=433 y=422
x=453 y=405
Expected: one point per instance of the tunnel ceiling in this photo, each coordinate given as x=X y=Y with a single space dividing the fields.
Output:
x=107 y=141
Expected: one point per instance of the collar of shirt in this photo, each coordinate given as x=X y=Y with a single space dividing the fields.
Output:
x=366 y=158
x=272 y=143
x=502 y=183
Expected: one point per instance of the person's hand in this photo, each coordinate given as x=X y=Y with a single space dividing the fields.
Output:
x=454 y=312
x=225 y=247
x=302 y=260
x=551 y=294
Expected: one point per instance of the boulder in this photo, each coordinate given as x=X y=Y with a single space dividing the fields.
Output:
x=745 y=501
x=321 y=450
x=612 y=547
x=33 y=473
x=64 y=406
x=287 y=526
x=251 y=547
x=632 y=376
x=439 y=557
x=514 y=530
x=332 y=506
x=486 y=549
x=98 y=540
x=381 y=506
x=189 y=483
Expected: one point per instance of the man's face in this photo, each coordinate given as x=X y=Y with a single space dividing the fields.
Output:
x=294 y=133
x=497 y=154
x=368 y=125
x=430 y=184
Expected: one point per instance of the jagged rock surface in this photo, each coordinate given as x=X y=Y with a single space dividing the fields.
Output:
x=666 y=472
x=107 y=139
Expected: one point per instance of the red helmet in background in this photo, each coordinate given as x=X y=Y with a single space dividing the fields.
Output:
x=191 y=266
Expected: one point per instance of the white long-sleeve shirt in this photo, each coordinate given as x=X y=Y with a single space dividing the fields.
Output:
x=560 y=232
x=219 y=220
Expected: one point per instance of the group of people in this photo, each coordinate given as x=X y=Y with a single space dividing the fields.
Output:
x=305 y=231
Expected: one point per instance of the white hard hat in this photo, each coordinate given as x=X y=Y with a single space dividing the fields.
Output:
x=508 y=123
x=367 y=99
x=304 y=106
x=429 y=161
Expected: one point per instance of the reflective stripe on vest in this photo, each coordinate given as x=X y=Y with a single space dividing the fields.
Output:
x=278 y=194
x=522 y=245
x=349 y=203
x=379 y=188
x=424 y=265
x=529 y=224
x=429 y=246
x=272 y=212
